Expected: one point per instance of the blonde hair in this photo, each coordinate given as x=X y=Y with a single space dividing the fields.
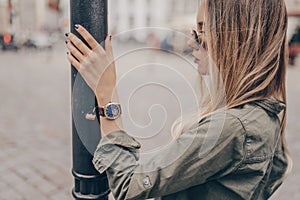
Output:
x=246 y=42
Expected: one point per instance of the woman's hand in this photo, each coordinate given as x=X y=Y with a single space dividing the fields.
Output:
x=95 y=64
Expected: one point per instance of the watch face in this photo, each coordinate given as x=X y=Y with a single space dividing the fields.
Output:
x=112 y=111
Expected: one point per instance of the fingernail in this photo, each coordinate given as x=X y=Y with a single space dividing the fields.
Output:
x=76 y=26
x=66 y=41
x=66 y=34
x=67 y=53
x=109 y=37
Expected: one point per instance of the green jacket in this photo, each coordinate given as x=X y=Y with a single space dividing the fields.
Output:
x=233 y=154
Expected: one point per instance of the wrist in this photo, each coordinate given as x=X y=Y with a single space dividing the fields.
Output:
x=106 y=95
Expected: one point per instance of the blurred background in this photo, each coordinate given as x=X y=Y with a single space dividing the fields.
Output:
x=39 y=24
x=35 y=82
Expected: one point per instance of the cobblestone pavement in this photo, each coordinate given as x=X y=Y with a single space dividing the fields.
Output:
x=35 y=129
x=35 y=132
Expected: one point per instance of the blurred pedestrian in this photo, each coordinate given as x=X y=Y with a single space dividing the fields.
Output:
x=294 y=47
x=235 y=147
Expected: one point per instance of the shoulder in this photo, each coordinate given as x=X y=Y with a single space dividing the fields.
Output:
x=262 y=130
x=257 y=115
x=254 y=117
x=255 y=127
x=224 y=121
x=223 y=131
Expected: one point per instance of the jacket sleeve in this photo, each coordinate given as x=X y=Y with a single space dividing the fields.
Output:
x=279 y=166
x=212 y=149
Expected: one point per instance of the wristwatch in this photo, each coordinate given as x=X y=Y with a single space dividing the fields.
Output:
x=110 y=111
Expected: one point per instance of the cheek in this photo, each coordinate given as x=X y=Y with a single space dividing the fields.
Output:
x=200 y=53
x=203 y=61
x=203 y=68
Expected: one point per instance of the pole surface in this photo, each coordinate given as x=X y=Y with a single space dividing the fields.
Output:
x=89 y=184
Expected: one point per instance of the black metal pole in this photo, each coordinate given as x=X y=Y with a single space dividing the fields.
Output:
x=89 y=184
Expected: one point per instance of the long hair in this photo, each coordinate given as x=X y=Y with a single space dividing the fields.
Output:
x=246 y=42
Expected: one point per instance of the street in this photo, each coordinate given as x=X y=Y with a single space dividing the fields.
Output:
x=35 y=123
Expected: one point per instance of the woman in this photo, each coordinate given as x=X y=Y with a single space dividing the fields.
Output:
x=241 y=44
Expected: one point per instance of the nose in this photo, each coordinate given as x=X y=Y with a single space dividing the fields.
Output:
x=192 y=43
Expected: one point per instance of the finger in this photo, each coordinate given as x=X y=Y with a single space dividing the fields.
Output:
x=74 y=51
x=78 y=44
x=108 y=48
x=87 y=36
x=73 y=61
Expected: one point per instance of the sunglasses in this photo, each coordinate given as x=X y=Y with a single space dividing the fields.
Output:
x=199 y=38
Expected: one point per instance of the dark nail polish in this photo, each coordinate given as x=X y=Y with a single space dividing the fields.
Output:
x=66 y=41
x=66 y=34
x=76 y=26
x=67 y=53
x=109 y=37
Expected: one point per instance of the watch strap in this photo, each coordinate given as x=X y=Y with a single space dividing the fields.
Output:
x=100 y=111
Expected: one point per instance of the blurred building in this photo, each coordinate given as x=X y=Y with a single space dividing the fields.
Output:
x=125 y=15
x=3 y=17
x=22 y=16
x=30 y=15
x=7 y=13
x=40 y=15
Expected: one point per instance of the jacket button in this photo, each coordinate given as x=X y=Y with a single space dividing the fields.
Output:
x=249 y=152
x=146 y=181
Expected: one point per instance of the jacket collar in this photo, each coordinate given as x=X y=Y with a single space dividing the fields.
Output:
x=271 y=104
